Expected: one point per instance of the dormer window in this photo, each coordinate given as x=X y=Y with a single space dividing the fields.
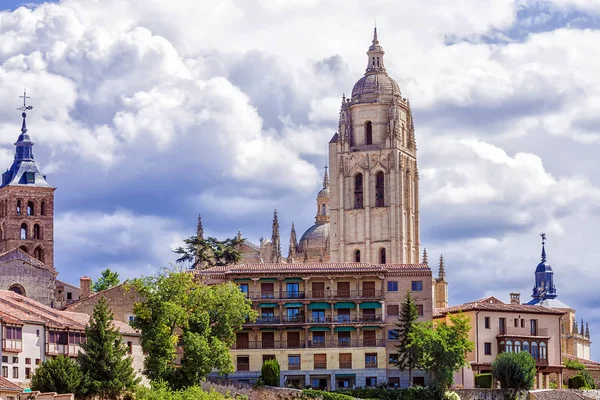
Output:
x=30 y=177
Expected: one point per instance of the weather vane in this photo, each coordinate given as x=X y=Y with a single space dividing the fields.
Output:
x=25 y=107
x=543 y=235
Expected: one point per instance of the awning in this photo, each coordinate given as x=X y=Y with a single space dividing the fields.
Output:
x=370 y=304
x=370 y=328
x=319 y=306
x=268 y=329
x=268 y=280
x=293 y=305
x=345 y=375
x=294 y=328
x=241 y=279
x=267 y=305
x=345 y=329
x=293 y=280
x=344 y=304
x=319 y=329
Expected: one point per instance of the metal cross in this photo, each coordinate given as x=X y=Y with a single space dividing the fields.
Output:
x=543 y=235
x=25 y=106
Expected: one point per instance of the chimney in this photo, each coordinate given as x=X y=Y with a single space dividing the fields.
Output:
x=85 y=284
x=515 y=298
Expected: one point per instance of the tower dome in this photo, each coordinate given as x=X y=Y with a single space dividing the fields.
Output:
x=314 y=243
x=544 y=291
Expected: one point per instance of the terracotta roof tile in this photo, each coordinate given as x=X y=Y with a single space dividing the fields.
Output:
x=6 y=384
x=493 y=304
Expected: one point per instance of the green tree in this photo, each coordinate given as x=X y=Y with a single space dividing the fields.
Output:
x=107 y=280
x=442 y=349
x=514 y=370
x=183 y=316
x=269 y=372
x=105 y=362
x=200 y=253
x=61 y=375
x=407 y=355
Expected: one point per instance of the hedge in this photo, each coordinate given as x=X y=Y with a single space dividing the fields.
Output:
x=483 y=381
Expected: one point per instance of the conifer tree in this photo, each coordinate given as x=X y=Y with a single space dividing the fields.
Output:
x=106 y=366
x=407 y=355
x=61 y=375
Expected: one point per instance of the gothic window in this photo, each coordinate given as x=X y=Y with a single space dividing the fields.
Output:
x=358 y=191
x=543 y=354
x=29 y=208
x=368 y=132
x=382 y=256
x=323 y=209
x=37 y=232
x=23 y=231
x=38 y=253
x=18 y=207
x=357 y=256
x=43 y=208
x=379 y=190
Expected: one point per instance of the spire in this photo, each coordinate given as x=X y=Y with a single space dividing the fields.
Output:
x=425 y=258
x=293 y=245
x=275 y=239
x=375 y=53
x=326 y=179
x=587 y=330
x=199 y=229
x=543 y=235
x=24 y=151
x=575 y=332
x=582 y=331
x=442 y=270
x=375 y=41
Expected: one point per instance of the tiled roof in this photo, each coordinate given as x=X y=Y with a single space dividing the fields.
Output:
x=18 y=254
x=6 y=384
x=73 y=306
x=589 y=364
x=24 y=310
x=493 y=304
x=310 y=268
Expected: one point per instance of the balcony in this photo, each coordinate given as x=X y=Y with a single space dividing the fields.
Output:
x=318 y=294
x=12 y=345
x=293 y=366
x=345 y=364
x=301 y=344
x=267 y=319
x=513 y=331
x=327 y=319
x=243 y=366
x=370 y=364
x=320 y=365
x=292 y=295
x=54 y=349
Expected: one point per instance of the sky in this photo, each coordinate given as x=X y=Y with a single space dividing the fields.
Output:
x=145 y=117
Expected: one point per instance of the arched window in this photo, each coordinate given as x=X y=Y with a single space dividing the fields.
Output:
x=323 y=209
x=23 y=231
x=357 y=256
x=358 y=191
x=29 y=208
x=526 y=347
x=18 y=289
x=543 y=353
x=37 y=232
x=502 y=348
x=43 y=208
x=534 y=350
x=382 y=259
x=509 y=346
x=517 y=347
x=18 y=207
x=368 y=132
x=379 y=190
x=23 y=249
x=38 y=254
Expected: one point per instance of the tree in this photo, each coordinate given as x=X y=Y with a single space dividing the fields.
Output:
x=183 y=316
x=269 y=372
x=200 y=253
x=442 y=349
x=407 y=355
x=107 y=280
x=105 y=362
x=514 y=370
x=61 y=375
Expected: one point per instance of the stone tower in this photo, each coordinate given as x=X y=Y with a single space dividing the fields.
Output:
x=27 y=205
x=374 y=195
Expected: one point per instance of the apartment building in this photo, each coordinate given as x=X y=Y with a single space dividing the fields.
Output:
x=329 y=325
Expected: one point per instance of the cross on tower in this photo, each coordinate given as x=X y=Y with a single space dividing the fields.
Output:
x=25 y=107
x=543 y=235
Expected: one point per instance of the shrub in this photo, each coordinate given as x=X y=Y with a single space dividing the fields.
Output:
x=269 y=373
x=161 y=391
x=413 y=393
x=576 y=382
x=573 y=364
x=483 y=381
x=319 y=394
x=514 y=370
x=451 y=396
x=583 y=380
x=61 y=375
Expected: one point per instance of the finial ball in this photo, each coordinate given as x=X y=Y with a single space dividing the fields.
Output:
x=23 y=115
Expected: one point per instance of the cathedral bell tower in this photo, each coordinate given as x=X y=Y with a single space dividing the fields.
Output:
x=27 y=203
x=374 y=200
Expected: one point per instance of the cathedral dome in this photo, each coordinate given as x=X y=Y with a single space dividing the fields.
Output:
x=324 y=193
x=543 y=267
x=375 y=85
x=315 y=240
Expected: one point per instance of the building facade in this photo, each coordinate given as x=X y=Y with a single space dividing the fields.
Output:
x=329 y=325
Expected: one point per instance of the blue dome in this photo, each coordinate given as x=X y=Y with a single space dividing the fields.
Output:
x=543 y=267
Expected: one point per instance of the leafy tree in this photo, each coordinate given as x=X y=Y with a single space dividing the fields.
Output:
x=407 y=355
x=200 y=253
x=269 y=372
x=183 y=316
x=61 y=375
x=107 y=280
x=442 y=350
x=106 y=366
x=514 y=370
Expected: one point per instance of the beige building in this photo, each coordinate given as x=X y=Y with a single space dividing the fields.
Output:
x=497 y=327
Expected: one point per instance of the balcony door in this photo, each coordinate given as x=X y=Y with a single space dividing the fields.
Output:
x=318 y=289
x=369 y=338
x=293 y=340
x=368 y=289
x=502 y=326
x=242 y=340
x=267 y=290
x=343 y=289
x=268 y=340
x=534 y=327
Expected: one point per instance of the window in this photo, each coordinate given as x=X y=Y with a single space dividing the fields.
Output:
x=323 y=209
x=243 y=363
x=318 y=339
x=502 y=325
x=417 y=286
x=393 y=358
x=15 y=373
x=131 y=318
x=371 y=360
x=392 y=310
x=420 y=309
x=534 y=327
x=293 y=362
x=43 y=208
x=368 y=132
x=358 y=191
x=30 y=178
x=357 y=256
x=379 y=190
x=267 y=357
x=509 y=346
x=38 y=253
x=37 y=232
x=487 y=322
x=28 y=361
x=37 y=333
x=28 y=373
x=268 y=340
x=543 y=354
x=130 y=347
x=37 y=361
x=14 y=333
x=534 y=350
x=318 y=316
x=393 y=334
x=394 y=382
x=487 y=349
x=517 y=347
x=4 y=371
x=343 y=315
x=29 y=208
x=382 y=258
x=526 y=346
x=392 y=286
x=320 y=361
x=69 y=296
x=23 y=231
x=15 y=360
x=4 y=359
x=516 y=322
x=293 y=290
x=371 y=381
x=18 y=213
x=267 y=290
x=318 y=289
x=345 y=360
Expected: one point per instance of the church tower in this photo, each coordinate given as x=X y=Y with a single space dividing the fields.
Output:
x=27 y=204
x=374 y=189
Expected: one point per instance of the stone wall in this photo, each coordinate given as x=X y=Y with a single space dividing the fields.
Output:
x=487 y=394
x=37 y=283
